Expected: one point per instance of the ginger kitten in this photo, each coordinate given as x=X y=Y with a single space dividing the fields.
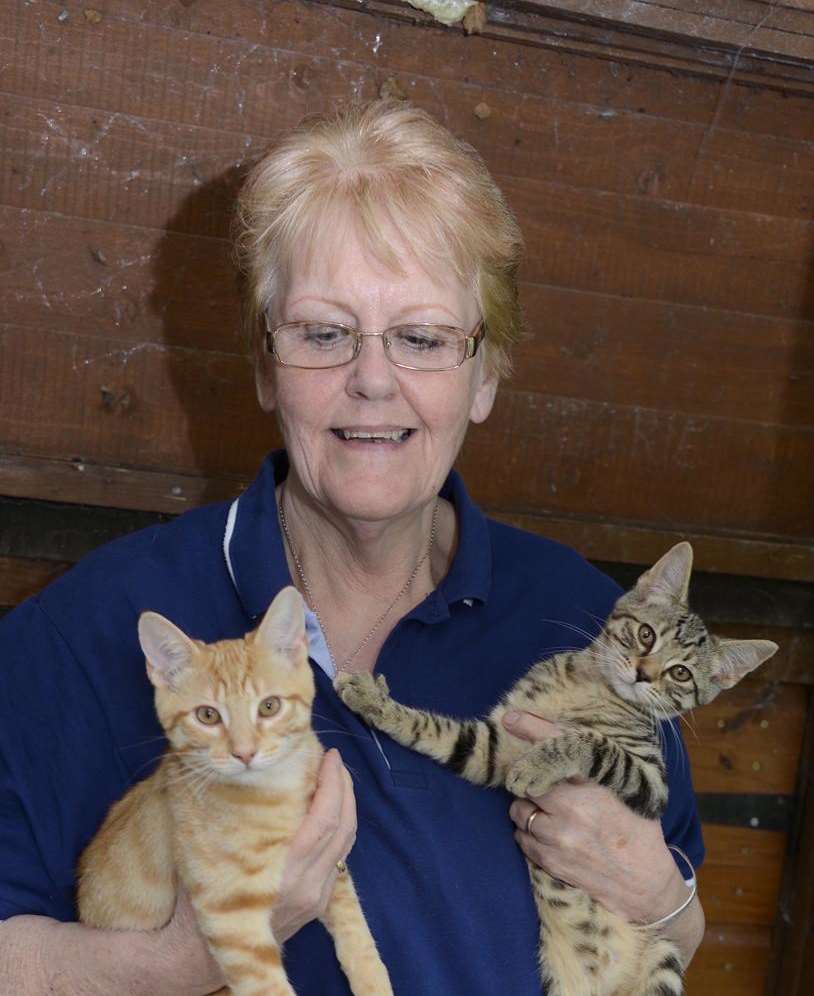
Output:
x=653 y=660
x=219 y=813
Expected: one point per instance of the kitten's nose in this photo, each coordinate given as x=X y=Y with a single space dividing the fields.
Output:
x=642 y=675
x=245 y=755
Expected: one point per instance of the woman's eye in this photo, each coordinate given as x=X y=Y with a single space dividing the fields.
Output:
x=647 y=636
x=269 y=706
x=681 y=673
x=418 y=341
x=207 y=715
x=323 y=336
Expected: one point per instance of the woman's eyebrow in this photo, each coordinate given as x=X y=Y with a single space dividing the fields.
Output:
x=426 y=307
x=306 y=298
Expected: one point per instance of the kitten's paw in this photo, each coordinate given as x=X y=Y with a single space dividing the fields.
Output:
x=366 y=695
x=528 y=778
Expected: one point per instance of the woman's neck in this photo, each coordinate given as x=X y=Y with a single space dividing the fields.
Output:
x=351 y=571
x=356 y=553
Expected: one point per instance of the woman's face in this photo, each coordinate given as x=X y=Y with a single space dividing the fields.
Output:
x=373 y=481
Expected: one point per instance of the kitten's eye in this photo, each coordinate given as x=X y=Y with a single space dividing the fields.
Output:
x=270 y=706
x=647 y=636
x=681 y=673
x=207 y=715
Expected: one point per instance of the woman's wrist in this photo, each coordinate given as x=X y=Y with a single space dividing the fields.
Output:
x=669 y=895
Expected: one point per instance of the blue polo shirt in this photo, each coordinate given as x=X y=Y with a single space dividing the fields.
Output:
x=443 y=884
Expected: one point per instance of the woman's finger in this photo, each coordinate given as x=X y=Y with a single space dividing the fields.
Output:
x=324 y=816
x=527 y=726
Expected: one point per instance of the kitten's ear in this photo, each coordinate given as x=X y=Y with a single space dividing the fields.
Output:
x=671 y=574
x=168 y=650
x=283 y=627
x=736 y=658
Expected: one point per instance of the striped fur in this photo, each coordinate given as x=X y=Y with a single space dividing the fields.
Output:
x=217 y=825
x=652 y=660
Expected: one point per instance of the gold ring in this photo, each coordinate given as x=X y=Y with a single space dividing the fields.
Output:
x=341 y=867
x=530 y=821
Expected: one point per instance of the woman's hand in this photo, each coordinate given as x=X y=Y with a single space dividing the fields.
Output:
x=585 y=836
x=326 y=836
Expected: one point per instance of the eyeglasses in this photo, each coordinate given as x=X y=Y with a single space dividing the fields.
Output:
x=320 y=345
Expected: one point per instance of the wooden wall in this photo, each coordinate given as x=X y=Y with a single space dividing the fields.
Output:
x=665 y=185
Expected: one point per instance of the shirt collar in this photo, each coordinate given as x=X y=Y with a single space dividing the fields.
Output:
x=255 y=555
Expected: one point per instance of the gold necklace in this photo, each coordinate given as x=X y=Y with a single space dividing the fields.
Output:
x=312 y=600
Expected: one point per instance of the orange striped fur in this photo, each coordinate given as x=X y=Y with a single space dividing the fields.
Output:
x=220 y=811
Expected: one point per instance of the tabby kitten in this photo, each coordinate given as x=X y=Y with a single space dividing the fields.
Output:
x=652 y=660
x=221 y=809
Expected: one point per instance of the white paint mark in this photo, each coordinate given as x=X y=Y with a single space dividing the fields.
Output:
x=377 y=44
x=38 y=281
x=123 y=354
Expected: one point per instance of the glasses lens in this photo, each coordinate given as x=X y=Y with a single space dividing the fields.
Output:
x=427 y=347
x=313 y=344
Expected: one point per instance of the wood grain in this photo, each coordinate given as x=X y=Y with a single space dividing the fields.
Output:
x=20 y=577
x=748 y=740
x=739 y=881
x=732 y=961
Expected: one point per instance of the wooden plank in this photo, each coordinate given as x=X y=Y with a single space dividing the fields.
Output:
x=670 y=252
x=569 y=456
x=144 y=286
x=732 y=961
x=627 y=543
x=20 y=577
x=215 y=59
x=666 y=356
x=740 y=879
x=745 y=26
x=165 y=408
x=748 y=740
x=113 y=165
x=547 y=26
x=117 y=283
x=108 y=486
x=792 y=970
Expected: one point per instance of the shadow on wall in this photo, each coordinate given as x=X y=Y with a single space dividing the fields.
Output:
x=210 y=384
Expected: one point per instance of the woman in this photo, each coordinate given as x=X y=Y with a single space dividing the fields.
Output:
x=381 y=301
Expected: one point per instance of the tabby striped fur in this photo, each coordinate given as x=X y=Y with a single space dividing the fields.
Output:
x=607 y=699
x=220 y=811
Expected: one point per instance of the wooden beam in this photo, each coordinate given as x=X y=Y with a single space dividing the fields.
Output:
x=792 y=972
x=754 y=53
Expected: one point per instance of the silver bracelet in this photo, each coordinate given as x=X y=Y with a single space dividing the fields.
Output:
x=692 y=884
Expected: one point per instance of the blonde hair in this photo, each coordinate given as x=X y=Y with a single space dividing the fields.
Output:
x=395 y=168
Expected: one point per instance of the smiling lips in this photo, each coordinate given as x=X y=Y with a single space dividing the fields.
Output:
x=373 y=435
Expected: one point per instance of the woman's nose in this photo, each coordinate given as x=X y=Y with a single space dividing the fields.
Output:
x=371 y=375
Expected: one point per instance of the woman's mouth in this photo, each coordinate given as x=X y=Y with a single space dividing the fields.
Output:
x=373 y=436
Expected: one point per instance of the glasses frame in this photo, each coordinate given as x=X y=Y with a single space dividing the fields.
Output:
x=472 y=341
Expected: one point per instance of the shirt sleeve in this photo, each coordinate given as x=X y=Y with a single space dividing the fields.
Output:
x=680 y=824
x=58 y=767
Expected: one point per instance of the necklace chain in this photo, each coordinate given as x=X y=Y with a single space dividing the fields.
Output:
x=310 y=595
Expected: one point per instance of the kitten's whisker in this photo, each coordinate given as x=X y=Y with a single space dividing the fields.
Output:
x=590 y=637
x=150 y=760
x=143 y=743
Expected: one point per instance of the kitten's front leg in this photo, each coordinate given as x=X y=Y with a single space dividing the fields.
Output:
x=241 y=941
x=355 y=947
x=637 y=780
x=367 y=696
x=469 y=747
x=547 y=763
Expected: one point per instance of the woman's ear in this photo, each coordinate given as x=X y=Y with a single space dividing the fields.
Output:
x=264 y=383
x=484 y=397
